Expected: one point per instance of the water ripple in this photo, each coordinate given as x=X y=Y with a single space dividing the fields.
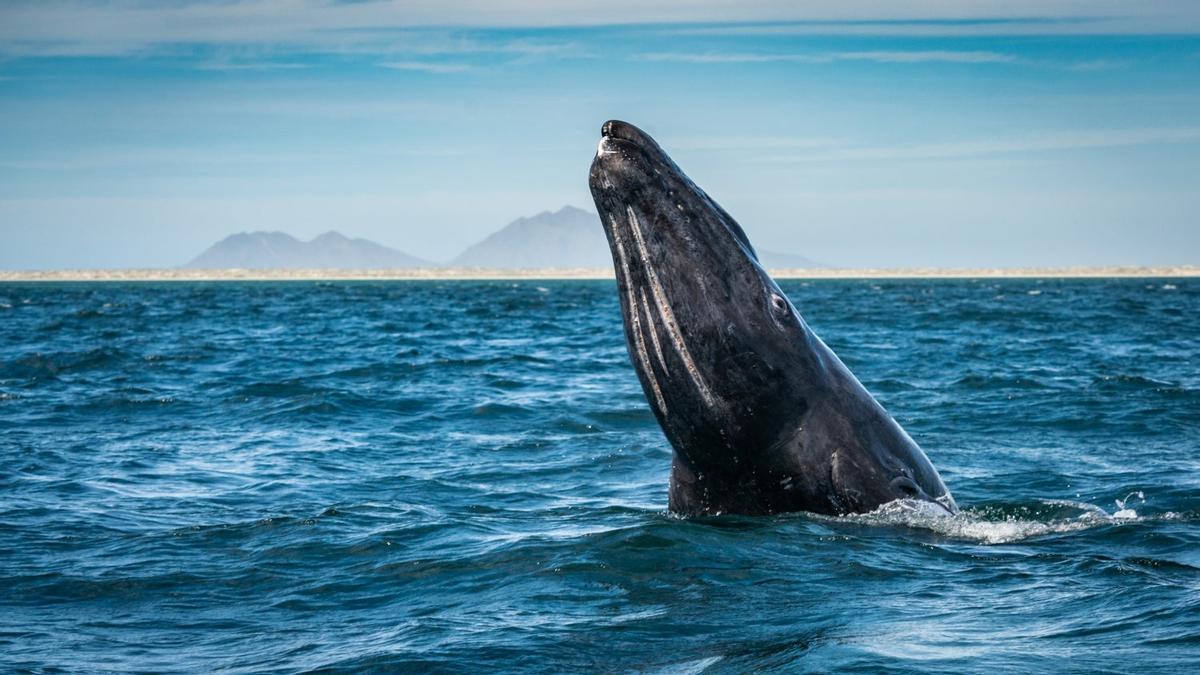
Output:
x=434 y=476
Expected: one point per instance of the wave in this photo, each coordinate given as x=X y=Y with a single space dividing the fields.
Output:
x=48 y=365
x=1005 y=523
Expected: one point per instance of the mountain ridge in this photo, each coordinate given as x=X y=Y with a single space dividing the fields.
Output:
x=567 y=238
x=279 y=250
x=574 y=238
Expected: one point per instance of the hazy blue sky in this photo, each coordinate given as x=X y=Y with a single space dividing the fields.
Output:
x=943 y=133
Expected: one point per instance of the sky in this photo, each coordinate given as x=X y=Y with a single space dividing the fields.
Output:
x=856 y=133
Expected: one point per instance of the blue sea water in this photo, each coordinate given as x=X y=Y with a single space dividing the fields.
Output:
x=465 y=476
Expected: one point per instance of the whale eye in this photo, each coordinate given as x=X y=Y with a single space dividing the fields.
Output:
x=778 y=303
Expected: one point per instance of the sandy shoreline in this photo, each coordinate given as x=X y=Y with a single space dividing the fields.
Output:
x=462 y=273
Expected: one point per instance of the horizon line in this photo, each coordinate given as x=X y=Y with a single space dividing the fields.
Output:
x=178 y=274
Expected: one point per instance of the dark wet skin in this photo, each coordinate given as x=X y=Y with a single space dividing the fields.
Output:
x=762 y=416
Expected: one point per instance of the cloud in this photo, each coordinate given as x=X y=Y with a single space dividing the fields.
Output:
x=427 y=67
x=1061 y=141
x=738 y=143
x=903 y=56
x=715 y=57
x=927 y=56
x=188 y=158
x=87 y=27
x=916 y=56
x=124 y=27
x=1093 y=64
x=224 y=65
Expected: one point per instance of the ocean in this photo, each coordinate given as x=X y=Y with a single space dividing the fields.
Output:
x=454 y=476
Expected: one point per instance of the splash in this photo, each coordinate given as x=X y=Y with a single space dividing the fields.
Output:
x=1001 y=524
x=1124 y=509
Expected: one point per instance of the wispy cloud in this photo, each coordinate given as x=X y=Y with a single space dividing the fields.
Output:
x=86 y=27
x=129 y=27
x=893 y=56
x=223 y=65
x=919 y=56
x=915 y=56
x=981 y=18
x=1061 y=141
x=742 y=143
x=718 y=57
x=186 y=159
x=931 y=26
x=427 y=66
x=1093 y=64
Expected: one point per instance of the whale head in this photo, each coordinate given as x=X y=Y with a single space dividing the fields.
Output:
x=705 y=322
x=761 y=414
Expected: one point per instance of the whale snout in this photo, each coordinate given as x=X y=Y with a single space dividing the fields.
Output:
x=626 y=159
x=615 y=128
x=616 y=131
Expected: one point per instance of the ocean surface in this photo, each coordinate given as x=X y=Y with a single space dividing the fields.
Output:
x=465 y=477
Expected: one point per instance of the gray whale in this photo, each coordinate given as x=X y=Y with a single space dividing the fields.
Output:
x=762 y=416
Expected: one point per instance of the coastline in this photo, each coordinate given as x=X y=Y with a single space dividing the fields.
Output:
x=497 y=274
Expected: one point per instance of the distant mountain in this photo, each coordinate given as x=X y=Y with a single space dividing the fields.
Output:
x=278 y=250
x=569 y=237
x=787 y=261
